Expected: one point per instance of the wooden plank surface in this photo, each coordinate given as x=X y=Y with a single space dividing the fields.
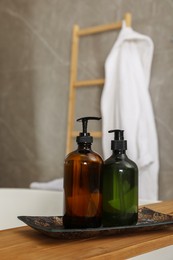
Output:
x=26 y=243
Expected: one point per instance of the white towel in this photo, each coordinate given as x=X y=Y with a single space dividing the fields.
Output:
x=126 y=104
x=56 y=184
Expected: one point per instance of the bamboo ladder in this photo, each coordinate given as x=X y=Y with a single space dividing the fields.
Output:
x=74 y=83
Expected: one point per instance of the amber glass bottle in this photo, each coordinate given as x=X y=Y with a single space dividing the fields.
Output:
x=82 y=183
x=120 y=186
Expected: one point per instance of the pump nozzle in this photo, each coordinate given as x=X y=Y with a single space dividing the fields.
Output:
x=118 y=143
x=84 y=136
x=119 y=134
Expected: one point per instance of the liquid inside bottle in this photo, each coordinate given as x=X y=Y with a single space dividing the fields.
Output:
x=82 y=186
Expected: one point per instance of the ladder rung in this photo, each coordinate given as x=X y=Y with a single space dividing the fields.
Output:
x=100 y=28
x=96 y=134
x=85 y=83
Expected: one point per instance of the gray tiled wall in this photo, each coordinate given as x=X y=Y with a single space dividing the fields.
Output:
x=35 y=42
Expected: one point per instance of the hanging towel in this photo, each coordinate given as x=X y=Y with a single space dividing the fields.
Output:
x=126 y=104
x=56 y=184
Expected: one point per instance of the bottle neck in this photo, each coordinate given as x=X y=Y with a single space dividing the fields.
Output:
x=119 y=152
x=84 y=146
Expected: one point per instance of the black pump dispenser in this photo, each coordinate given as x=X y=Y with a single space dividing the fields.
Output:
x=84 y=137
x=118 y=143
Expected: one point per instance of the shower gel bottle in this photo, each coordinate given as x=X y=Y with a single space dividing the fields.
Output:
x=82 y=183
x=120 y=186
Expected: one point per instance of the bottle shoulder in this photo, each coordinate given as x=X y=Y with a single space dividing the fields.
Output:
x=84 y=155
x=132 y=163
x=120 y=162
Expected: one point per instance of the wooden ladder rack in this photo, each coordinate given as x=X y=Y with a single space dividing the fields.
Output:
x=74 y=83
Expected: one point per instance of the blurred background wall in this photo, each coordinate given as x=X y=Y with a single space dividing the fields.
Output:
x=35 y=46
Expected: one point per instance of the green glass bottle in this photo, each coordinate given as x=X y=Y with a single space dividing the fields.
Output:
x=120 y=186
